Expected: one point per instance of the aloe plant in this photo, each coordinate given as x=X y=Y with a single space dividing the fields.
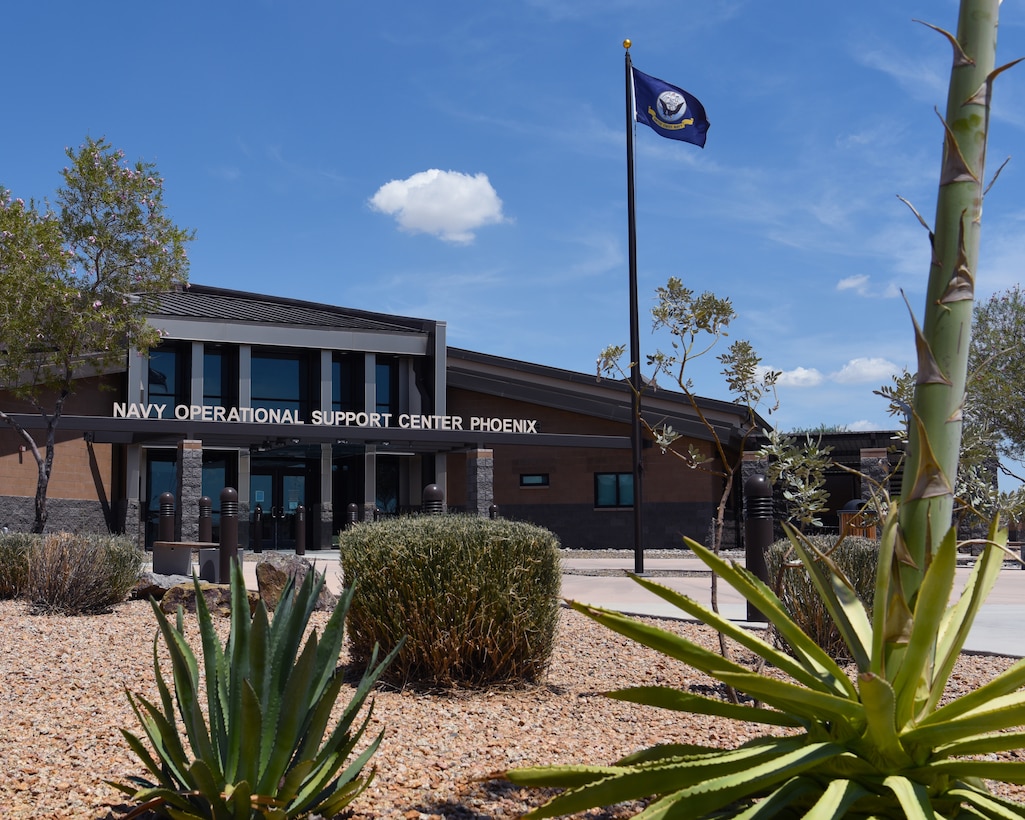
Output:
x=877 y=743
x=256 y=715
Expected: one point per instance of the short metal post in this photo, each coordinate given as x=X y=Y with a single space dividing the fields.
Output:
x=300 y=530
x=258 y=529
x=493 y=512
x=757 y=532
x=165 y=527
x=433 y=500
x=229 y=533
x=351 y=515
x=206 y=519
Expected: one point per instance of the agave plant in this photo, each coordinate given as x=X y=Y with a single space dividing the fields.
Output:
x=262 y=747
x=877 y=743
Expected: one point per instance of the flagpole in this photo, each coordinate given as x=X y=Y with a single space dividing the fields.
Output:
x=635 y=333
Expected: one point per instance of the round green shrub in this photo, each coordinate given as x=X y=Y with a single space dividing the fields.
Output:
x=476 y=599
x=72 y=574
x=857 y=557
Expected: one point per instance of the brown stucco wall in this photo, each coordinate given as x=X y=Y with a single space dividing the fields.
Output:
x=678 y=501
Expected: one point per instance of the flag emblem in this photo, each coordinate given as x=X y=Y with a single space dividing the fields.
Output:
x=668 y=110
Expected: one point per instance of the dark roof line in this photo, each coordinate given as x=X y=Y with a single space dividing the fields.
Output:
x=591 y=380
x=222 y=304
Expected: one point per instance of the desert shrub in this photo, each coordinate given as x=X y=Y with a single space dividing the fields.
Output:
x=14 y=550
x=73 y=574
x=476 y=599
x=857 y=557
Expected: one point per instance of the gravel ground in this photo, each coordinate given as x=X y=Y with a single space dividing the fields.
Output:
x=62 y=701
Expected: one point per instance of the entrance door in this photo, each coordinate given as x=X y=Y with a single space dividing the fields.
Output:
x=278 y=489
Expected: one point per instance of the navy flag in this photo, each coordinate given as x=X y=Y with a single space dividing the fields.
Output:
x=668 y=110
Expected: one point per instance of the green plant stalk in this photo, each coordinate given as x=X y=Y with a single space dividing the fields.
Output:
x=944 y=335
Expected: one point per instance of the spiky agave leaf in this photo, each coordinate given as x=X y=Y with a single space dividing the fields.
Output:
x=270 y=697
x=880 y=748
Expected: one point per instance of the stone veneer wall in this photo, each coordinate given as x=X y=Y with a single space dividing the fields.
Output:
x=63 y=515
x=189 y=490
x=480 y=481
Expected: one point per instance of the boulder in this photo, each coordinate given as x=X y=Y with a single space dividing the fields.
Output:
x=272 y=573
x=217 y=597
x=155 y=585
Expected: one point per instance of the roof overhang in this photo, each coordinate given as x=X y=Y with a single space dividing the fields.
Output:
x=167 y=432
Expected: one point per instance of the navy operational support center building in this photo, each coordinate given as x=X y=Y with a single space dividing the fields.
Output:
x=307 y=409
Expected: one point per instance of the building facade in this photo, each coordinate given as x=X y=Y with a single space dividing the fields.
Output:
x=319 y=415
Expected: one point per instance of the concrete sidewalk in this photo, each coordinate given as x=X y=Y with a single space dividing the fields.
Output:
x=998 y=629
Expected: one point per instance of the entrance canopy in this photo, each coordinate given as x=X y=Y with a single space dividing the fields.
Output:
x=253 y=435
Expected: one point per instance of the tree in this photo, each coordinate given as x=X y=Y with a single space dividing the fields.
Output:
x=74 y=286
x=997 y=368
x=801 y=469
x=695 y=325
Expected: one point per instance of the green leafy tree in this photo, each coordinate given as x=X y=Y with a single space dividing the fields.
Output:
x=74 y=283
x=997 y=369
x=801 y=469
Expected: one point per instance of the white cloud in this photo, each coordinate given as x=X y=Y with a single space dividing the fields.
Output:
x=862 y=425
x=857 y=283
x=447 y=204
x=800 y=377
x=865 y=370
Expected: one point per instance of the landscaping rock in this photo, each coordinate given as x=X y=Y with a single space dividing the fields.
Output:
x=273 y=572
x=217 y=597
x=155 y=585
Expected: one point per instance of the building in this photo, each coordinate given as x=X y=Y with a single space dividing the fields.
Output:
x=319 y=414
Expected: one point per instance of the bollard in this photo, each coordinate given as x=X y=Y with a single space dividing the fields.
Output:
x=229 y=533
x=258 y=529
x=165 y=527
x=351 y=515
x=493 y=512
x=300 y=530
x=206 y=519
x=433 y=500
x=757 y=532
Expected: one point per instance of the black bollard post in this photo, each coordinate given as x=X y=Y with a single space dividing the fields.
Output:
x=258 y=529
x=206 y=519
x=351 y=515
x=229 y=534
x=300 y=530
x=757 y=531
x=165 y=527
x=433 y=500
x=493 y=512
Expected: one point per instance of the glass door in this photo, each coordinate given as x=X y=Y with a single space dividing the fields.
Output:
x=276 y=491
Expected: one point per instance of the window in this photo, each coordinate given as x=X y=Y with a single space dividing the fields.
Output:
x=220 y=376
x=347 y=382
x=220 y=470
x=387 y=385
x=613 y=490
x=533 y=479
x=168 y=376
x=280 y=382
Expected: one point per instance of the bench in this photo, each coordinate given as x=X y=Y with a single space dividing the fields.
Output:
x=175 y=557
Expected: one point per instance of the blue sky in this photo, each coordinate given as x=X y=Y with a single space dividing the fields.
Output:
x=465 y=161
